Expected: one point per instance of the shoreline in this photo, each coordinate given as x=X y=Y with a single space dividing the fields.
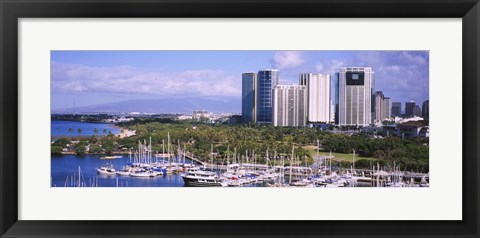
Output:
x=126 y=132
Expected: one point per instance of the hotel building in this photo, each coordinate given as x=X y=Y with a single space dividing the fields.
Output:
x=318 y=94
x=289 y=105
x=354 y=88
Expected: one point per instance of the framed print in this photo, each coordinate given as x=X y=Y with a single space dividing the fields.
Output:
x=239 y=118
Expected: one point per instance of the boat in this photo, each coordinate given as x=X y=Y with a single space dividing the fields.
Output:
x=125 y=171
x=144 y=174
x=202 y=178
x=302 y=183
x=107 y=170
x=424 y=182
x=111 y=157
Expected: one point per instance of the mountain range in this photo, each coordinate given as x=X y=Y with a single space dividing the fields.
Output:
x=163 y=105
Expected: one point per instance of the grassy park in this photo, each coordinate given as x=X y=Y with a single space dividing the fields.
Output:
x=223 y=140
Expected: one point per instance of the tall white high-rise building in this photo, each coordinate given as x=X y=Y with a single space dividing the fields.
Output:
x=318 y=93
x=289 y=105
x=355 y=89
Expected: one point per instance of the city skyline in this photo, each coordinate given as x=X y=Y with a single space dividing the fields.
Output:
x=100 y=77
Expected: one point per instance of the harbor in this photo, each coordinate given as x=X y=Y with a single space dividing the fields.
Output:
x=90 y=155
x=144 y=167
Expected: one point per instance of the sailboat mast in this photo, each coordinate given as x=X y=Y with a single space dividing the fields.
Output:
x=228 y=154
x=139 y=150
x=130 y=155
x=211 y=154
x=291 y=164
x=353 y=158
x=267 y=158
x=254 y=162
x=168 y=147
x=317 y=157
x=274 y=159
x=163 y=151
x=234 y=154
x=150 y=150
x=178 y=150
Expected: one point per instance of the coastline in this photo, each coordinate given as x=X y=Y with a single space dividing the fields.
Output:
x=126 y=132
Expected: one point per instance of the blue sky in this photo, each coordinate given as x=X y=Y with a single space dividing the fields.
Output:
x=96 y=77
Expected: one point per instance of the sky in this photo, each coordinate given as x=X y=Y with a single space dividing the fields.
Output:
x=97 y=77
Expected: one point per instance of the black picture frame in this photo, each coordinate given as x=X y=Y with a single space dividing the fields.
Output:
x=11 y=11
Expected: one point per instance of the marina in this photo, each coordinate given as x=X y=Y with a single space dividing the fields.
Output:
x=144 y=168
x=170 y=164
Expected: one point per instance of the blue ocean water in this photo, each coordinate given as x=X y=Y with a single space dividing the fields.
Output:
x=61 y=128
x=68 y=165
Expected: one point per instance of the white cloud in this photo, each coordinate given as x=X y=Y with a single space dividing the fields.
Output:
x=411 y=58
x=319 y=67
x=394 y=68
x=129 y=80
x=334 y=65
x=287 y=59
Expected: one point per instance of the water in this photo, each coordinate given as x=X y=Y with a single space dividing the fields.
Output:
x=60 y=128
x=67 y=165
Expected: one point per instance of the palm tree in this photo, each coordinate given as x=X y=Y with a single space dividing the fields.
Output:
x=95 y=131
x=71 y=131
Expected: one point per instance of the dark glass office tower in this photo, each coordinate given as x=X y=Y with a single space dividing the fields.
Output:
x=266 y=80
x=249 y=98
x=425 y=110
x=409 y=106
x=396 y=109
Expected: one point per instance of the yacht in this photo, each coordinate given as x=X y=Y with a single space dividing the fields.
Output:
x=107 y=170
x=144 y=173
x=202 y=178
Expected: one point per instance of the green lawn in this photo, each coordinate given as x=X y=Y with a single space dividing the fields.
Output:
x=341 y=156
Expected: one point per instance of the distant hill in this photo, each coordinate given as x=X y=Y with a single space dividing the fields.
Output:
x=164 y=105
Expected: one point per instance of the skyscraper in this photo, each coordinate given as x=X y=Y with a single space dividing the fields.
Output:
x=387 y=108
x=417 y=111
x=266 y=80
x=249 y=97
x=383 y=107
x=290 y=105
x=318 y=93
x=378 y=104
x=396 y=109
x=355 y=85
x=409 y=108
x=425 y=110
